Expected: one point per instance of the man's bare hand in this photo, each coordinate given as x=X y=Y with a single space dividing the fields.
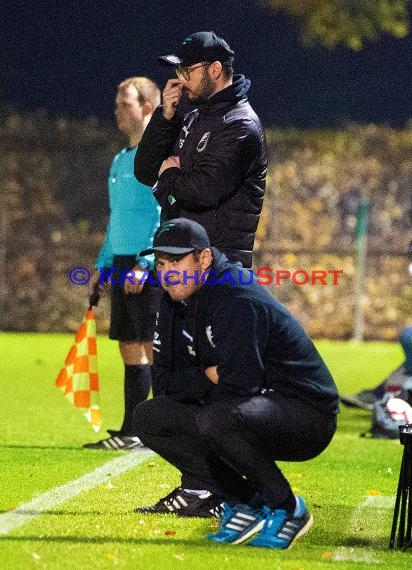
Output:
x=132 y=281
x=172 y=93
x=211 y=373
x=171 y=162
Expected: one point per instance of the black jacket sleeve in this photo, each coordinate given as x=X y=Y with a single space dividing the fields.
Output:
x=214 y=175
x=156 y=145
x=188 y=385
x=240 y=332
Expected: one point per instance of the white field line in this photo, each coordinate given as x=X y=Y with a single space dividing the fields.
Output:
x=366 y=507
x=50 y=499
x=372 y=502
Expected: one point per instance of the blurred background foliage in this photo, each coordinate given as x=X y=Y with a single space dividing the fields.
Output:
x=345 y=22
x=54 y=211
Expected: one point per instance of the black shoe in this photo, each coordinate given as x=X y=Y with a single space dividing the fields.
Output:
x=364 y=400
x=185 y=505
x=116 y=443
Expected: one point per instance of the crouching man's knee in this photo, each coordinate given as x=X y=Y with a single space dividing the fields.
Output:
x=216 y=419
x=141 y=418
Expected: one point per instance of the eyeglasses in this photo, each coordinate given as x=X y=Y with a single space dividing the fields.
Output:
x=186 y=71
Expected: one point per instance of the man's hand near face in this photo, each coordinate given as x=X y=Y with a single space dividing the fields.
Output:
x=172 y=93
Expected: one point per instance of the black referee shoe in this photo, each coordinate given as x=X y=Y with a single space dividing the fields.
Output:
x=116 y=443
x=184 y=504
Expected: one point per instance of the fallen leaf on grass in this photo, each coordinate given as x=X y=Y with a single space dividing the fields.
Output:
x=327 y=555
x=374 y=493
x=170 y=532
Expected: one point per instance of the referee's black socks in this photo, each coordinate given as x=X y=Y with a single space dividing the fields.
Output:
x=137 y=383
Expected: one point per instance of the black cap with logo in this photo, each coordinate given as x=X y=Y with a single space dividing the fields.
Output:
x=179 y=236
x=200 y=46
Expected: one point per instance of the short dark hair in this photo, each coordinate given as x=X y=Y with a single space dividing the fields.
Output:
x=227 y=70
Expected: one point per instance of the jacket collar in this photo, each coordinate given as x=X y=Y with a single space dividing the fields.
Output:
x=231 y=94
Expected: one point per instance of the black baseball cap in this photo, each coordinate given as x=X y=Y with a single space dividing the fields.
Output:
x=200 y=46
x=179 y=236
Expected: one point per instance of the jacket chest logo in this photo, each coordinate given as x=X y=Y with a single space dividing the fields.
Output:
x=183 y=134
x=190 y=118
x=190 y=348
x=201 y=145
x=209 y=334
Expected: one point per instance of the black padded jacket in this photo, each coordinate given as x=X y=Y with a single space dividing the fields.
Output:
x=223 y=164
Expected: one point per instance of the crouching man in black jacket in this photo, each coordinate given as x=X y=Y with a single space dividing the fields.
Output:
x=238 y=385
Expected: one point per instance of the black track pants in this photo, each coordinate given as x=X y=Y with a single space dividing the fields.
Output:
x=231 y=447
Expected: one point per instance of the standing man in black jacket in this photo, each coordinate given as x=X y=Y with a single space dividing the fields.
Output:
x=240 y=385
x=211 y=165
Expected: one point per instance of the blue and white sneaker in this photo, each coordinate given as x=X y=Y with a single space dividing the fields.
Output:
x=238 y=523
x=282 y=529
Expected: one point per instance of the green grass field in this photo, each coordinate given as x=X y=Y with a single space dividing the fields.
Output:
x=350 y=488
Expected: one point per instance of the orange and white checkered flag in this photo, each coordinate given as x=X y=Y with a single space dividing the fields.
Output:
x=78 y=379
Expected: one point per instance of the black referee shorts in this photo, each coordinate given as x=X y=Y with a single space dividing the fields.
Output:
x=132 y=316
